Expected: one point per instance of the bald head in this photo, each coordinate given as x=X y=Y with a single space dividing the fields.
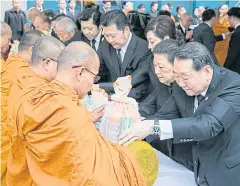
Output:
x=46 y=47
x=33 y=13
x=6 y=35
x=77 y=54
x=29 y=39
x=42 y=23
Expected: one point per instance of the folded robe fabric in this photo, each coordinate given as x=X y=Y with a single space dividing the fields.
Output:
x=61 y=145
x=8 y=72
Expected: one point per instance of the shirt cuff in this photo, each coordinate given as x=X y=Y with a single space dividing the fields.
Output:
x=224 y=36
x=166 y=129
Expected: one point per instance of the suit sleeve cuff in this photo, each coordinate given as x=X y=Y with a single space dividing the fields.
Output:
x=166 y=129
x=224 y=36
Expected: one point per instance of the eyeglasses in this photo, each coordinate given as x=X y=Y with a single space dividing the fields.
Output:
x=96 y=77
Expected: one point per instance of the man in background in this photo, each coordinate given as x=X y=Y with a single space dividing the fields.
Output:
x=233 y=57
x=39 y=5
x=184 y=23
x=16 y=18
x=106 y=7
x=154 y=9
x=43 y=24
x=180 y=11
x=72 y=12
x=62 y=7
x=67 y=31
x=127 y=7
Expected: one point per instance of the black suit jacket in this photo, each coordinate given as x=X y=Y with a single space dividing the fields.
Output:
x=137 y=52
x=204 y=34
x=78 y=36
x=213 y=128
x=11 y=19
x=184 y=34
x=233 y=57
x=75 y=16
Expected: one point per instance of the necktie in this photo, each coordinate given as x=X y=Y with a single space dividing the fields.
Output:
x=119 y=57
x=93 y=44
x=200 y=98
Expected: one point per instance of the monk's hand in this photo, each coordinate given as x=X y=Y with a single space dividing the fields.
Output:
x=137 y=132
x=97 y=114
x=27 y=27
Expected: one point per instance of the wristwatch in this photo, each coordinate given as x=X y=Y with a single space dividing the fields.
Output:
x=156 y=127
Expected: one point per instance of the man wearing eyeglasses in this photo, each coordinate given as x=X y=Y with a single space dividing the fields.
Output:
x=59 y=141
x=207 y=98
x=121 y=53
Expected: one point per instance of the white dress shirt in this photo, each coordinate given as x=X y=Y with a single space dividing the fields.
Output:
x=72 y=11
x=237 y=25
x=124 y=48
x=63 y=11
x=39 y=8
x=98 y=40
x=183 y=28
x=166 y=125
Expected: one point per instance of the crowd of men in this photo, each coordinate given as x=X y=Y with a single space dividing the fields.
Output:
x=190 y=103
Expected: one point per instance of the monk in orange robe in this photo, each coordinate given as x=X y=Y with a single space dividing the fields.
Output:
x=8 y=73
x=221 y=27
x=6 y=34
x=61 y=144
x=42 y=70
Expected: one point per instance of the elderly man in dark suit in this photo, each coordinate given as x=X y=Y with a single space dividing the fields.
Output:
x=66 y=30
x=204 y=33
x=233 y=58
x=16 y=18
x=121 y=52
x=184 y=22
x=208 y=98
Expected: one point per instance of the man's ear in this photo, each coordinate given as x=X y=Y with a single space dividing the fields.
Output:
x=45 y=63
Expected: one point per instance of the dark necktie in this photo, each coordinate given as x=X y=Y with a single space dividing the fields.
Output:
x=93 y=44
x=200 y=98
x=119 y=58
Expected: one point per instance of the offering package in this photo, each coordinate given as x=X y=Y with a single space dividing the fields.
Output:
x=120 y=113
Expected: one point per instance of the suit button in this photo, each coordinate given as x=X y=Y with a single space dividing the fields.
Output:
x=195 y=162
x=198 y=145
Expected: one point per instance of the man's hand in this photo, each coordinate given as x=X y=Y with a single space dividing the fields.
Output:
x=137 y=132
x=97 y=114
x=189 y=35
x=27 y=27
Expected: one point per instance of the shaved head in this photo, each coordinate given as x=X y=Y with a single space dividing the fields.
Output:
x=29 y=39
x=78 y=66
x=6 y=35
x=46 y=47
x=77 y=54
x=42 y=23
x=33 y=13
x=5 y=29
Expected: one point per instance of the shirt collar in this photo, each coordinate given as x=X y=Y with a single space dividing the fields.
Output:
x=98 y=38
x=124 y=48
x=208 y=24
x=203 y=93
x=237 y=25
x=39 y=7
x=71 y=10
x=106 y=10
x=183 y=28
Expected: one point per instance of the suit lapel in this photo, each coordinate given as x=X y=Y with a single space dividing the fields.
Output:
x=114 y=61
x=129 y=54
x=211 y=90
x=189 y=107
